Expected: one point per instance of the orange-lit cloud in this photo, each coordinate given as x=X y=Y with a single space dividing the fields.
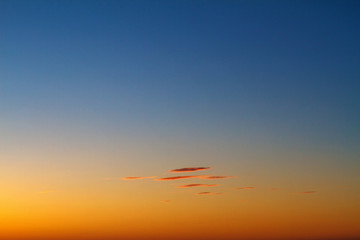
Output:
x=208 y=193
x=136 y=178
x=190 y=169
x=244 y=188
x=198 y=185
x=194 y=176
x=176 y=178
x=165 y=201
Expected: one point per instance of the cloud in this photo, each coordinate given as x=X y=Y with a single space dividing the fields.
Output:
x=208 y=193
x=165 y=201
x=189 y=169
x=198 y=185
x=194 y=176
x=244 y=188
x=136 y=178
x=308 y=192
x=274 y=189
x=175 y=178
x=203 y=193
x=214 y=177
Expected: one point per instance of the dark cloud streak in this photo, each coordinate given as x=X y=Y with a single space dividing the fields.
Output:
x=308 y=192
x=208 y=193
x=189 y=169
x=198 y=185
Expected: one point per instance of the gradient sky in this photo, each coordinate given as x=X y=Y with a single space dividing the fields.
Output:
x=93 y=92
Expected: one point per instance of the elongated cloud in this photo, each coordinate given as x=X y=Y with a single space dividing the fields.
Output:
x=165 y=201
x=208 y=193
x=308 y=192
x=203 y=193
x=198 y=185
x=189 y=169
x=244 y=188
x=136 y=178
x=175 y=178
x=194 y=176
x=214 y=177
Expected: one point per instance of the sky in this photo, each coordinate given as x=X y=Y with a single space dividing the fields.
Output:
x=173 y=120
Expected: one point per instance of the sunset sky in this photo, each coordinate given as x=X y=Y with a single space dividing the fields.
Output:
x=179 y=120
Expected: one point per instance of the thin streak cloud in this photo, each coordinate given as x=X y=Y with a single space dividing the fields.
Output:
x=175 y=178
x=244 y=188
x=189 y=169
x=136 y=178
x=198 y=185
x=194 y=176
x=215 y=177
x=208 y=193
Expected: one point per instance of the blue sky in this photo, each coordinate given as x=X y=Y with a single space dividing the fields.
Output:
x=278 y=71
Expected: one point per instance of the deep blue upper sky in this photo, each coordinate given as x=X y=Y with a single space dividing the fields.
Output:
x=281 y=67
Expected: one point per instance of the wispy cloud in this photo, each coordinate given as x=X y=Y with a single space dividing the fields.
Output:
x=136 y=178
x=189 y=169
x=244 y=188
x=208 y=193
x=308 y=192
x=194 y=176
x=198 y=185
x=214 y=177
x=175 y=178
x=165 y=201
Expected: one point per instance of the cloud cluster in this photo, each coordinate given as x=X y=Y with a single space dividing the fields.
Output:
x=189 y=169
x=192 y=185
